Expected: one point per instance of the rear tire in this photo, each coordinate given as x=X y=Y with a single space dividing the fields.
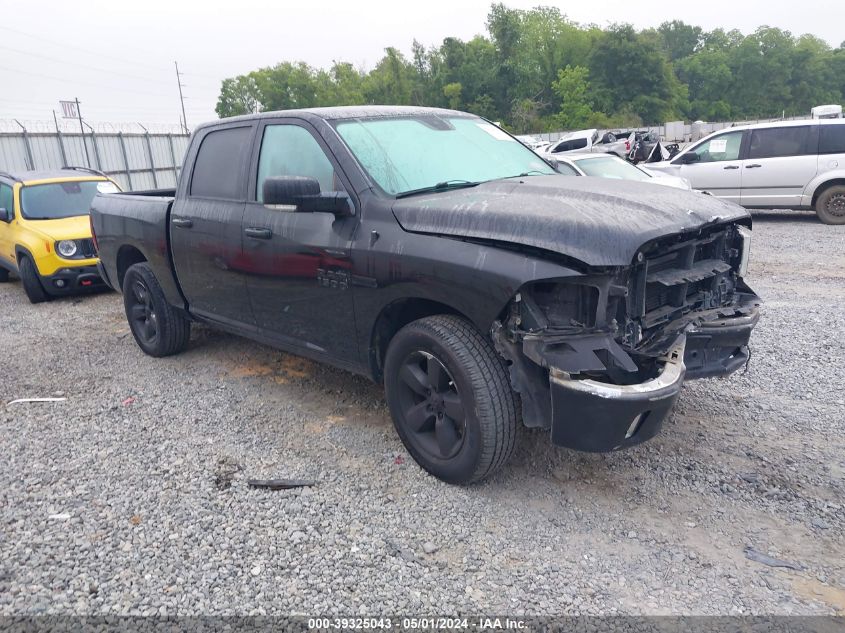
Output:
x=32 y=282
x=450 y=399
x=830 y=205
x=158 y=327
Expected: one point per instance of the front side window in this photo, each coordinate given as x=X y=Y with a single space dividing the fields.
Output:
x=403 y=154
x=290 y=150
x=831 y=139
x=7 y=201
x=612 y=167
x=57 y=200
x=719 y=148
x=219 y=162
x=778 y=141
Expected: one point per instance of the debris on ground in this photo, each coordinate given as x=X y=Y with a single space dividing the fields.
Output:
x=27 y=400
x=759 y=557
x=280 y=484
x=128 y=401
x=226 y=470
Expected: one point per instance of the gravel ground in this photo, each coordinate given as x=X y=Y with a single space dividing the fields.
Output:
x=130 y=497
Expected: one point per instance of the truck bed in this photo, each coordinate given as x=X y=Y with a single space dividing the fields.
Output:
x=131 y=227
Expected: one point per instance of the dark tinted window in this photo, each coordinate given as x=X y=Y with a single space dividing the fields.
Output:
x=831 y=139
x=578 y=143
x=778 y=141
x=6 y=199
x=219 y=164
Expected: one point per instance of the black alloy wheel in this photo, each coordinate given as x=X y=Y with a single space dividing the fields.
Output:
x=433 y=411
x=142 y=313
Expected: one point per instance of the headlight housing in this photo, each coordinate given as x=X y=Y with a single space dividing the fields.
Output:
x=67 y=248
x=745 y=246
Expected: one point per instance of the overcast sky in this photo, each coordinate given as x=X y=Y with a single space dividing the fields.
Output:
x=117 y=57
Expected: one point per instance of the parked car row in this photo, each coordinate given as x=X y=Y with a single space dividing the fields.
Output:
x=782 y=164
x=611 y=166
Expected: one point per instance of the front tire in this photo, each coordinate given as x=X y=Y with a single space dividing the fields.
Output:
x=158 y=327
x=450 y=399
x=4 y=275
x=32 y=282
x=830 y=205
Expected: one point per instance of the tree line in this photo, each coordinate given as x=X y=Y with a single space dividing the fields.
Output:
x=535 y=70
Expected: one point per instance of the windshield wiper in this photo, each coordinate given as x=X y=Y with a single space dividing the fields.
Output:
x=440 y=186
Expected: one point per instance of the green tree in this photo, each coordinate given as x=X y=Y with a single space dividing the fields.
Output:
x=452 y=92
x=238 y=95
x=572 y=86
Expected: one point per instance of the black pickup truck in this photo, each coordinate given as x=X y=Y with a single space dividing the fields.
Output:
x=433 y=252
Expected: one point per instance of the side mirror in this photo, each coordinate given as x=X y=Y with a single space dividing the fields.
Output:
x=304 y=193
x=688 y=158
x=5 y=215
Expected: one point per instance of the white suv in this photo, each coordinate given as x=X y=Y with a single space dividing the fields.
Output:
x=784 y=164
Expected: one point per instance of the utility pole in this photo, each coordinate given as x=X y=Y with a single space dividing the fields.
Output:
x=181 y=98
x=82 y=131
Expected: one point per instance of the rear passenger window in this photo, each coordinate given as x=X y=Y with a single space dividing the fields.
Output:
x=219 y=164
x=779 y=141
x=831 y=139
x=579 y=143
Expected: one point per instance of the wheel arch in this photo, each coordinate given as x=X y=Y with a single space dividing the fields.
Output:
x=824 y=186
x=127 y=256
x=396 y=315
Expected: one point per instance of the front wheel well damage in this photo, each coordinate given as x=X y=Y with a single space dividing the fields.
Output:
x=393 y=318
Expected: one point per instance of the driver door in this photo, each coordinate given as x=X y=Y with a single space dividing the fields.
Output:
x=300 y=269
x=717 y=168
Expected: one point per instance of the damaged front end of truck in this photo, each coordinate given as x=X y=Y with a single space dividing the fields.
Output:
x=599 y=359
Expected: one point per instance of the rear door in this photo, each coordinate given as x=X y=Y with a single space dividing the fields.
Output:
x=205 y=227
x=717 y=168
x=779 y=163
x=300 y=280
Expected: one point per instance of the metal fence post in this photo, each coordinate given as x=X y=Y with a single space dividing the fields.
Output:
x=173 y=158
x=29 y=161
x=61 y=142
x=96 y=150
x=125 y=159
x=150 y=155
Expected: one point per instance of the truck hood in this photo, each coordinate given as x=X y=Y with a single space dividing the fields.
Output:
x=599 y=221
x=73 y=228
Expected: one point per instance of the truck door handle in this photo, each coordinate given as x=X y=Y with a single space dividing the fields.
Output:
x=752 y=166
x=731 y=167
x=185 y=223
x=258 y=233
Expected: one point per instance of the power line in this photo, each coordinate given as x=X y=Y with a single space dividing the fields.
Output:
x=88 y=66
x=78 y=48
x=78 y=82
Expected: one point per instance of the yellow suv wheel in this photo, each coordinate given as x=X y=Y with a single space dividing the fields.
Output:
x=31 y=283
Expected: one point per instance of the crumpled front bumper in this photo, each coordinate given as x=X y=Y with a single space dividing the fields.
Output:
x=589 y=415
x=595 y=416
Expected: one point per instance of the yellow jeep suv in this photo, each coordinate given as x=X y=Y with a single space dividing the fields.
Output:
x=45 y=231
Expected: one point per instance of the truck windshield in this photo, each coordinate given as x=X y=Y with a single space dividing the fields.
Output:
x=418 y=153
x=58 y=200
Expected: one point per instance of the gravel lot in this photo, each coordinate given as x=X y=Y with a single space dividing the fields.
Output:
x=130 y=497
